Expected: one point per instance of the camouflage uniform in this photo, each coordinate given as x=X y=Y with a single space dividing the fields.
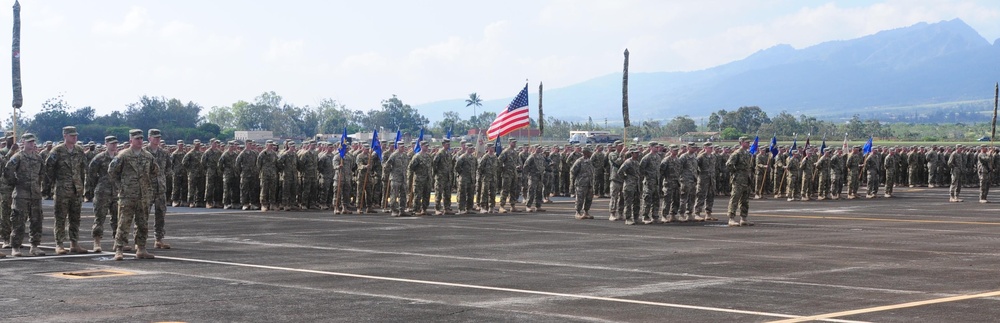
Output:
x=582 y=176
x=706 y=185
x=287 y=164
x=343 y=173
x=23 y=173
x=779 y=177
x=105 y=193
x=213 y=176
x=324 y=165
x=195 y=176
x=616 y=206
x=793 y=171
x=444 y=169
x=688 y=180
x=267 y=165
x=66 y=166
x=309 y=178
x=419 y=171
x=534 y=168
x=134 y=172
x=932 y=165
x=553 y=185
x=230 y=182
x=600 y=162
x=46 y=180
x=394 y=169
x=486 y=181
x=178 y=192
x=629 y=175
x=808 y=171
x=891 y=165
x=823 y=177
x=984 y=166
x=649 y=171
x=740 y=165
x=364 y=198
x=853 y=164
x=872 y=167
x=465 y=168
x=246 y=168
x=957 y=163
x=763 y=161
x=509 y=165
x=6 y=201
x=670 y=175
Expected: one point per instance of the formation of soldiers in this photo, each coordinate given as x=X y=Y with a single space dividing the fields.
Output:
x=646 y=184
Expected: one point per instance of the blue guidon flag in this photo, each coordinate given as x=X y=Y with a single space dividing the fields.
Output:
x=513 y=117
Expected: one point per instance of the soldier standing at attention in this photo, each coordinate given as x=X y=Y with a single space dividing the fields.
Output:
x=134 y=172
x=837 y=173
x=984 y=166
x=66 y=165
x=288 y=161
x=324 y=165
x=556 y=159
x=688 y=175
x=24 y=172
x=395 y=170
x=210 y=161
x=178 y=193
x=793 y=172
x=956 y=161
x=582 y=176
x=872 y=167
x=46 y=180
x=823 y=175
x=669 y=173
x=164 y=162
x=230 y=182
x=465 y=168
x=740 y=165
x=267 y=164
x=629 y=175
x=246 y=169
x=6 y=191
x=509 y=164
x=486 y=179
x=534 y=168
x=807 y=168
x=195 y=176
x=614 y=162
x=891 y=165
x=854 y=162
x=649 y=170
x=419 y=171
x=779 y=172
x=444 y=170
x=706 y=184
x=309 y=176
x=343 y=173
x=105 y=194
x=89 y=152
x=600 y=162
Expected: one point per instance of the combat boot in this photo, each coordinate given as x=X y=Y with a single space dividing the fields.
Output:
x=503 y=210
x=438 y=212
x=538 y=209
x=612 y=217
x=744 y=222
x=6 y=244
x=732 y=221
x=159 y=244
x=698 y=218
x=75 y=247
x=141 y=253
x=35 y=251
x=97 y=244
x=119 y=255
x=586 y=215
x=670 y=219
x=579 y=216
x=209 y=205
x=629 y=221
x=15 y=252
x=483 y=211
x=708 y=217
x=647 y=220
x=983 y=201
x=513 y=209
x=127 y=247
x=60 y=250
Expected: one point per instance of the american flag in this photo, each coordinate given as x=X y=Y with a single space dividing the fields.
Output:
x=514 y=117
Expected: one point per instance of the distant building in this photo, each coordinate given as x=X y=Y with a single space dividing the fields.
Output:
x=699 y=136
x=255 y=135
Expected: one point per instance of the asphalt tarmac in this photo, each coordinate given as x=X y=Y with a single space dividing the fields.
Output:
x=912 y=258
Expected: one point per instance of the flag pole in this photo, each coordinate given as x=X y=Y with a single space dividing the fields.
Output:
x=16 y=65
x=626 y=122
x=996 y=97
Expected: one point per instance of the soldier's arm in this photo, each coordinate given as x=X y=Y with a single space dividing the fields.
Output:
x=114 y=172
x=50 y=166
x=10 y=171
x=93 y=174
x=154 y=170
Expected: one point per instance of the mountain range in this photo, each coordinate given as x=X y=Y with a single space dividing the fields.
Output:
x=919 y=65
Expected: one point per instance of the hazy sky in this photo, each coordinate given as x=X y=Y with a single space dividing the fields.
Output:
x=106 y=54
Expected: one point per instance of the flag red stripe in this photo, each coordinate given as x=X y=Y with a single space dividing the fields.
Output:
x=508 y=121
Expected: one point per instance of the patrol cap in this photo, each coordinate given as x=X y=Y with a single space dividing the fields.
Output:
x=587 y=149
x=536 y=146
x=135 y=134
x=110 y=140
x=400 y=142
x=744 y=138
x=180 y=142
x=959 y=146
x=249 y=141
x=444 y=141
x=617 y=142
x=690 y=144
x=857 y=147
x=469 y=145
x=92 y=144
x=29 y=137
x=633 y=151
x=653 y=143
x=69 y=131
x=512 y=139
x=197 y=141
x=707 y=144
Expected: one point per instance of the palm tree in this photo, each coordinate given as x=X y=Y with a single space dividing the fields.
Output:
x=475 y=101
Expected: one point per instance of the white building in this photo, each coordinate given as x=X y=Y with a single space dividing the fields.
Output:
x=257 y=135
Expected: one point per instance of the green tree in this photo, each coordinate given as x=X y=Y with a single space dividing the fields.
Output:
x=474 y=101
x=222 y=116
x=730 y=133
x=680 y=125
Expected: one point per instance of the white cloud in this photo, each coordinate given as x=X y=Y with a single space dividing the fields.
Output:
x=134 y=20
x=284 y=50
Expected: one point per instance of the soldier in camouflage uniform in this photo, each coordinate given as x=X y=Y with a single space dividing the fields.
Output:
x=957 y=163
x=688 y=179
x=210 y=161
x=246 y=169
x=706 y=184
x=823 y=175
x=324 y=165
x=267 y=165
x=891 y=165
x=364 y=198
x=629 y=175
x=24 y=172
x=615 y=159
x=394 y=169
x=444 y=168
x=6 y=191
x=90 y=151
x=419 y=172
x=534 y=168
x=582 y=176
x=195 y=175
x=762 y=159
x=778 y=178
x=343 y=173
x=509 y=165
x=105 y=194
x=556 y=159
x=163 y=161
x=793 y=171
x=308 y=176
x=134 y=172
x=871 y=165
x=46 y=180
x=465 y=168
x=807 y=169
x=740 y=165
x=66 y=166
x=486 y=180
x=984 y=167
x=931 y=160
x=230 y=182
x=837 y=177
x=671 y=185
x=600 y=161
x=288 y=161
x=649 y=172
x=178 y=192
x=853 y=164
